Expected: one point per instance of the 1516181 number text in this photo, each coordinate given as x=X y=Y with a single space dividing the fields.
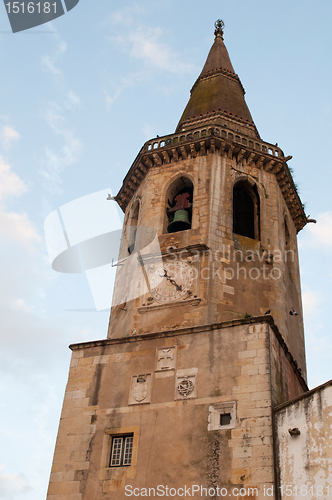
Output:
x=31 y=8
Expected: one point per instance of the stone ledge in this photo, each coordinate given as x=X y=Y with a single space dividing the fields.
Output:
x=265 y=319
x=191 y=302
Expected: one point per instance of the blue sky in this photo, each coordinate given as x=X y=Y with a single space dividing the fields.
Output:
x=79 y=97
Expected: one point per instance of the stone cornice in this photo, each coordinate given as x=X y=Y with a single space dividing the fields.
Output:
x=208 y=118
x=216 y=72
x=183 y=303
x=201 y=329
x=212 y=139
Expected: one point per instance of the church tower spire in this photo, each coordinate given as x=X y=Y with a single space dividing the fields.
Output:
x=181 y=393
x=218 y=95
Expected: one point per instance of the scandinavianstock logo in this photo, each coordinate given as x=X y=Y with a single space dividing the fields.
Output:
x=26 y=14
x=85 y=236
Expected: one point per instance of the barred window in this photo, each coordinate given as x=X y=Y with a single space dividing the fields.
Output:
x=122 y=450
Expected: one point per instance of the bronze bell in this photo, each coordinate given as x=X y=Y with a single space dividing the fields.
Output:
x=180 y=222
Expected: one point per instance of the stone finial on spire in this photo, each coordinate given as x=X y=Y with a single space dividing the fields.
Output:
x=219 y=31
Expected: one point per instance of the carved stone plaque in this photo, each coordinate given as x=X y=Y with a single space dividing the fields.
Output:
x=185 y=384
x=165 y=358
x=186 y=387
x=140 y=389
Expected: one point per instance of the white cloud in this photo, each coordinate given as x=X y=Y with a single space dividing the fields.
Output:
x=19 y=242
x=49 y=61
x=57 y=122
x=145 y=44
x=22 y=305
x=318 y=340
x=7 y=136
x=110 y=99
x=319 y=234
x=12 y=484
x=49 y=64
x=56 y=162
x=30 y=351
x=17 y=227
x=14 y=226
x=126 y=16
x=33 y=359
x=10 y=183
x=148 y=131
x=311 y=302
x=128 y=81
x=72 y=101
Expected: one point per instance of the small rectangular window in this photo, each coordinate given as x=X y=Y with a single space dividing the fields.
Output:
x=225 y=419
x=122 y=450
x=222 y=416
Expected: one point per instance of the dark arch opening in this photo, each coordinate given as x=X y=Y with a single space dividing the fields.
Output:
x=179 y=205
x=132 y=228
x=246 y=210
x=287 y=234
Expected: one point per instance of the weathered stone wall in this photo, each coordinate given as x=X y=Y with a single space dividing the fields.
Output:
x=286 y=379
x=178 y=440
x=305 y=458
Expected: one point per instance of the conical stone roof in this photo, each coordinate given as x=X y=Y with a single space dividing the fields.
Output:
x=218 y=94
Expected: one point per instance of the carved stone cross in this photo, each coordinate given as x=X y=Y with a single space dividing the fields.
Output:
x=164 y=356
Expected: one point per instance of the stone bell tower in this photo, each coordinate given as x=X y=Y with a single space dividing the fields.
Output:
x=206 y=329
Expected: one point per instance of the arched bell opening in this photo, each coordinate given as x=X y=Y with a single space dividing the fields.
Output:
x=179 y=205
x=132 y=227
x=246 y=210
x=289 y=254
